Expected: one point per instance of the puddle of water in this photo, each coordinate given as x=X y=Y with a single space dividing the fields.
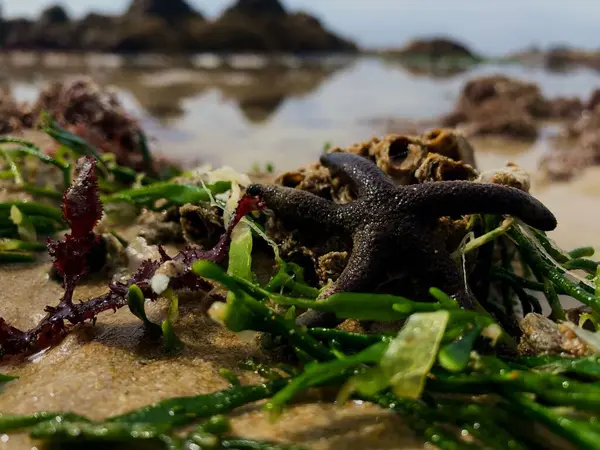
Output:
x=285 y=114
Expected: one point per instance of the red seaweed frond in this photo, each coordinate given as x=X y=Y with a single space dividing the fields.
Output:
x=69 y=257
x=82 y=210
x=81 y=204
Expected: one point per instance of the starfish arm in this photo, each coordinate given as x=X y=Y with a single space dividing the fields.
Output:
x=366 y=178
x=431 y=264
x=366 y=265
x=297 y=206
x=453 y=198
x=363 y=271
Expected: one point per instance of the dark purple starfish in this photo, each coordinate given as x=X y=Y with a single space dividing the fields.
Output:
x=392 y=227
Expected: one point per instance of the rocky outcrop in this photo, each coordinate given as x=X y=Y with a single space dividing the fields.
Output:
x=52 y=31
x=594 y=100
x=53 y=15
x=17 y=34
x=435 y=48
x=256 y=8
x=578 y=147
x=171 y=11
x=11 y=114
x=503 y=106
x=561 y=58
x=173 y=26
x=95 y=32
x=265 y=26
x=84 y=108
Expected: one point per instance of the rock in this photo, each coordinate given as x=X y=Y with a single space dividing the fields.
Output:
x=95 y=114
x=152 y=34
x=53 y=31
x=594 y=100
x=269 y=30
x=53 y=15
x=55 y=36
x=331 y=265
x=511 y=175
x=166 y=26
x=437 y=155
x=451 y=144
x=435 y=48
x=542 y=336
x=503 y=106
x=17 y=32
x=160 y=227
x=407 y=160
x=565 y=107
x=201 y=224
x=169 y=10
x=562 y=58
x=96 y=32
x=85 y=109
x=578 y=147
x=10 y=113
x=579 y=151
x=503 y=118
x=249 y=8
x=479 y=91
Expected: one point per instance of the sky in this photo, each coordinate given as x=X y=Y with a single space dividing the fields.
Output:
x=492 y=27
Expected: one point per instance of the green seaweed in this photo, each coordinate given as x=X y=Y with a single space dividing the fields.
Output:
x=440 y=350
x=175 y=194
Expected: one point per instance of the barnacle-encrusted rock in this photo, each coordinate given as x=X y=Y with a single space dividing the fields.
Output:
x=160 y=227
x=438 y=155
x=578 y=147
x=399 y=156
x=439 y=167
x=386 y=220
x=314 y=178
x=503 y=106
x=201 y=223
x=542 y=336
x=96 y=114
x=510 y=175
x=450 y=143
x=407 y=160
x=331 y=265
x=85 y=109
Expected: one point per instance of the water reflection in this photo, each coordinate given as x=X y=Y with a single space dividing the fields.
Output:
x=259 y=86
x=431 y=69
x=242 y=110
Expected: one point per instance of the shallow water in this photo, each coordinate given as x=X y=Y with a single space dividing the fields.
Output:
x=283 y=111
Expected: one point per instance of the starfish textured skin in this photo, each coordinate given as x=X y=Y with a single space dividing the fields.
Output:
x=392 y=227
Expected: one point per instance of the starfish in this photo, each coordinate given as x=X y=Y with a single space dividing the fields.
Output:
x=392 y=227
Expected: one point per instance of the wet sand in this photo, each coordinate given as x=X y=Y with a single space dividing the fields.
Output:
x=111 y=368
